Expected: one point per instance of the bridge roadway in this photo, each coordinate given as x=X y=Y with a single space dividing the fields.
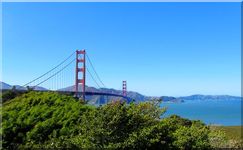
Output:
x=80 y=93
x=97 y=93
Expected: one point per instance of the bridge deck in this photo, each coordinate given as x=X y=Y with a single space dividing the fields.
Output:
x=96 y=93
x=86 y=93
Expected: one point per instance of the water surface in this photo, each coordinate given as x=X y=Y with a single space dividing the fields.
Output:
x=220 y=112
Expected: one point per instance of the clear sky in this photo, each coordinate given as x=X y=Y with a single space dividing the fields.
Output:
x=174 y=49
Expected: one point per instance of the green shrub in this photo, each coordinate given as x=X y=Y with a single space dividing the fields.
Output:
x=51 y=120
x=36 y=117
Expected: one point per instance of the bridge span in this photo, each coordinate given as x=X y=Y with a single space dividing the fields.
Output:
x=128 y=99
x=80 y=69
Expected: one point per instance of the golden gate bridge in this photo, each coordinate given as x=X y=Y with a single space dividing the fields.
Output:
x=56 y=78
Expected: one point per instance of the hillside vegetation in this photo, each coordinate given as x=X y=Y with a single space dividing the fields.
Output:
x=233 y=132
x=51 y=120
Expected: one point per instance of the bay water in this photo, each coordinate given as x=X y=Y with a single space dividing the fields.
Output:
x=217 y=112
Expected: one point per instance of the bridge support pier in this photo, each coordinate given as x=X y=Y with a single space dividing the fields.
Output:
x=124 y=88
x=80 y=59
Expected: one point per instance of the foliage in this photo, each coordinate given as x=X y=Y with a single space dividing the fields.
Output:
x=51 y=120
x=10 y=94
x=36 y=117
x=226 y=137
x=233 y=132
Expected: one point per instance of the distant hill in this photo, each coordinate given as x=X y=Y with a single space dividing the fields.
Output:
x=171 y=99
x=140 y=97
x=5 y=86
x=18 y=87
x=96 y=99
x=103 y=99
x=39 y=88
x=209 y=97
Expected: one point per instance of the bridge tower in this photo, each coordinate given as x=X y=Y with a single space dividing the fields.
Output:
x=124 y=88
x=82 y=70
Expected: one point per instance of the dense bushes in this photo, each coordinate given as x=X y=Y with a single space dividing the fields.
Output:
x=36 y=117
x=10 y=94
x=51 y=120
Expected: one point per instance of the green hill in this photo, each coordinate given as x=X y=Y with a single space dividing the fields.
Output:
x=51 y=120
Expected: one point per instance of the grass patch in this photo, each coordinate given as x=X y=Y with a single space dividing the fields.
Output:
x=232 y=132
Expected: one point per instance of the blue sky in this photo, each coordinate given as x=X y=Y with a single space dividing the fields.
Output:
x=172 y=49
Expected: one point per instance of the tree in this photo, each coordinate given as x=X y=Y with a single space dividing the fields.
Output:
x=30 y=88
x=14 y=88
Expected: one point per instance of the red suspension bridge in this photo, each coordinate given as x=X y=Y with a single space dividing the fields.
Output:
x=58 y=78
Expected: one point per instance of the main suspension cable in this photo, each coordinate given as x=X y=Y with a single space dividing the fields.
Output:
x=93 y=78
x=55 y=73
x=94 y=70
x=50 y=70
